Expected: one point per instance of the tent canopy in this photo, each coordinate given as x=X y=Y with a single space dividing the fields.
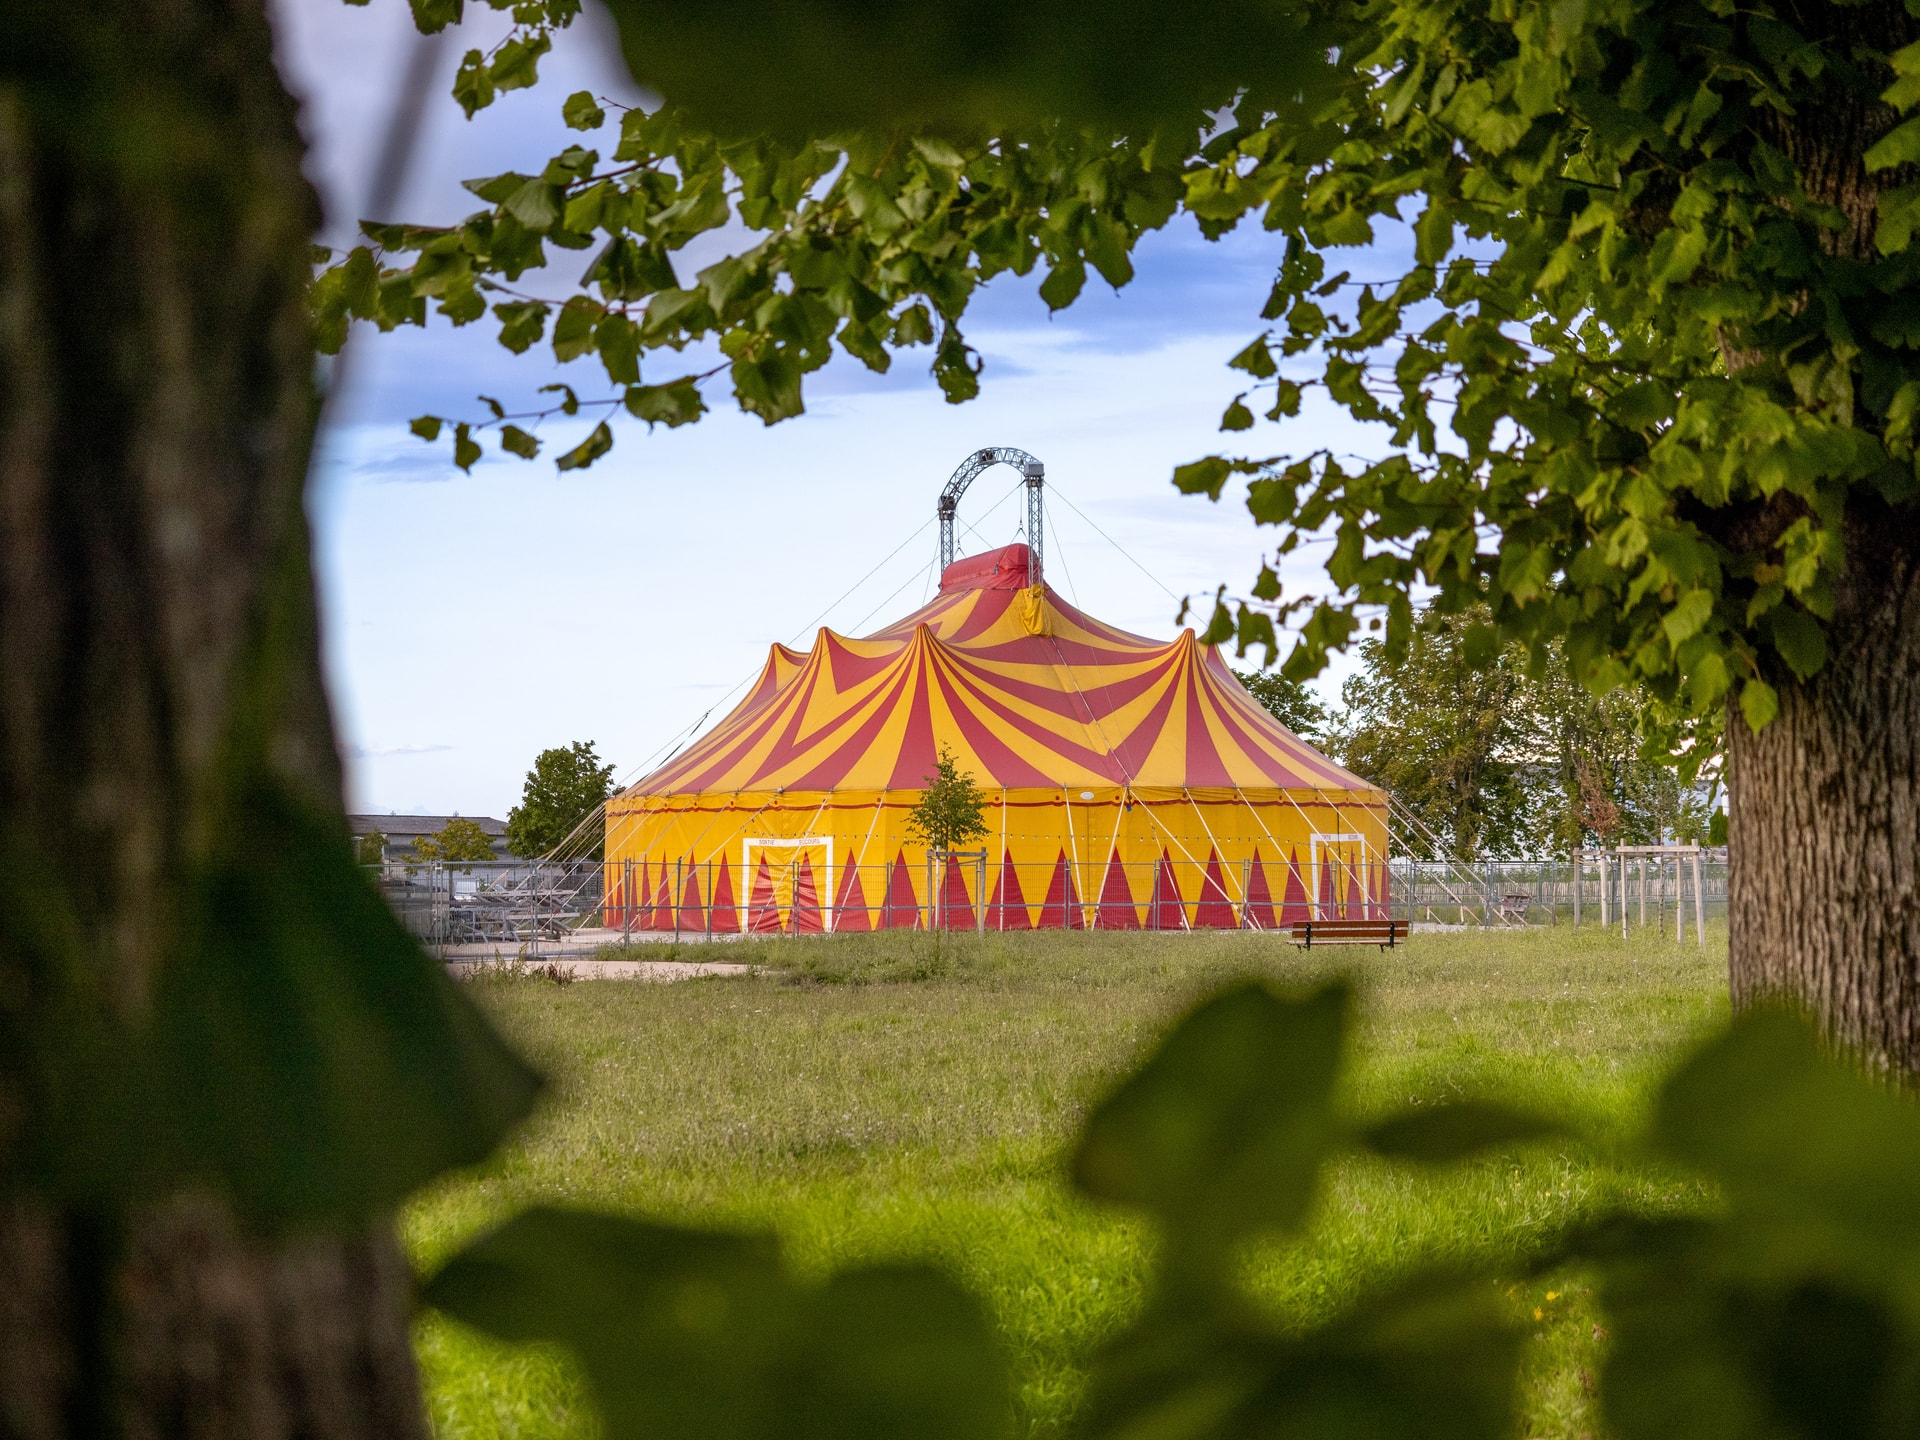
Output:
x=1027 y=691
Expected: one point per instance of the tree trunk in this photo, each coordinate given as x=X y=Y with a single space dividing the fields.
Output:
x=158 y=648
x=1824 y=825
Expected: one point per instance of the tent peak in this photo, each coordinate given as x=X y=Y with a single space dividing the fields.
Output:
x=1007 y=568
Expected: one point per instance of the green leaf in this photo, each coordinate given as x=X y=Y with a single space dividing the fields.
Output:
x=534 y=205
x=516 y=441
x=466 y=449
x=914 y=327
x=317 y=1060
x=690 y=1333
x=1899 y=146
x=1688 y=617
x=1256 y=360
x=427 y=427
x=1798 y=1137
x=1454 y=1130
x=430 y=17
x=1064 y=282
x=569 y=402
x=1759 y=703
x=1202 y=477
x=588 y=450
x=573 y=328
x=1237 y=417
x=768 y=386
x=522 y=323
x=1800 y=640
x=1222 y=1132
x=582 y=112
x=676 y=403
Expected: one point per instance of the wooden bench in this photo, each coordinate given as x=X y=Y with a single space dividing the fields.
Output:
x=1384 y=933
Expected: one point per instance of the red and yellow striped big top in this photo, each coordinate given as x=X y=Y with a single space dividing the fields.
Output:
x=1132 y=783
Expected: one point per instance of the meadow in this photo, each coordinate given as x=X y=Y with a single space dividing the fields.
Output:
x=897 y=1096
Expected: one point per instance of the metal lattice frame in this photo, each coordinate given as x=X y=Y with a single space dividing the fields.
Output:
x=1035 y=474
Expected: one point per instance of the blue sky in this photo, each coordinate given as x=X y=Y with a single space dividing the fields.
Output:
x=472 y=620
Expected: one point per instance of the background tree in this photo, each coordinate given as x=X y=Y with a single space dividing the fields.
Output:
x=1493 y=756
x=951 y=810
x=1289 y=701
x=370 y=849
x=1661 y=264
x=457 y=841
x=563 y=790
x=1443 y=735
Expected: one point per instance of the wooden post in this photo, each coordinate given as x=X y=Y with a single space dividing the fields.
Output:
x=1579 y=881
x=1605 y=918
x=980 y=893
x=1699 y=901
x=1679 y=899
x=1623 y=896
x=1643 y=892
x=708 y=892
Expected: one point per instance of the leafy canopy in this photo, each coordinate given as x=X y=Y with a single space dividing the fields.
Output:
x=1651 y=347
x=566 y=786
x=950 y=810
x=458 y=840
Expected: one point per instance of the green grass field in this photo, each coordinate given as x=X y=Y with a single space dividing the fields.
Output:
x=886 y=1096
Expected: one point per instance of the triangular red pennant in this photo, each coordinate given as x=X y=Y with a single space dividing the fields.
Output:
x=692 y=914
x=763 y=912
x=1215 y=911
x=1061 y=909
x=1325 y=911
x=902 y=909
x=1169 y=911
x=1116 y=908
x=850 y=910
x=805 y=918
x=1293 y=905
x=726 y=918
x=1009 y=908
x=956 y=905
x=663 y=900
x=1259 y=897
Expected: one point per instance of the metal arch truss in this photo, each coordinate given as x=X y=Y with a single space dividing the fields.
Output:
x=1035 y=474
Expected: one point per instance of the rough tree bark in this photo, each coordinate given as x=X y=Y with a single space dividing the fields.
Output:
x=1823 y=834
x=157 y=639
x=1824 y=829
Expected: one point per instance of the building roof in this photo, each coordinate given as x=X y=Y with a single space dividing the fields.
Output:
x=405 y=827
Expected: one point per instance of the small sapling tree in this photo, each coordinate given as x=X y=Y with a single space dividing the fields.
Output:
x=952 y=810
x=370 y=848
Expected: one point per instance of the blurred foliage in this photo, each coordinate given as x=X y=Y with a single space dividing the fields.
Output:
x=370 y=848
x=1787 y=1306
x=1649 y=351
x=559 y=802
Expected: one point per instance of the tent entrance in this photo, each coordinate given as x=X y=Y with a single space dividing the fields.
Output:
x=789 y=884
x=1343 y=874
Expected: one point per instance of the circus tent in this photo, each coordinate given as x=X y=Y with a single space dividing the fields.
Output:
x=1132 y=784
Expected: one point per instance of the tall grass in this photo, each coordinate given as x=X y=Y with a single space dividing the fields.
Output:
x=906 y=1095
